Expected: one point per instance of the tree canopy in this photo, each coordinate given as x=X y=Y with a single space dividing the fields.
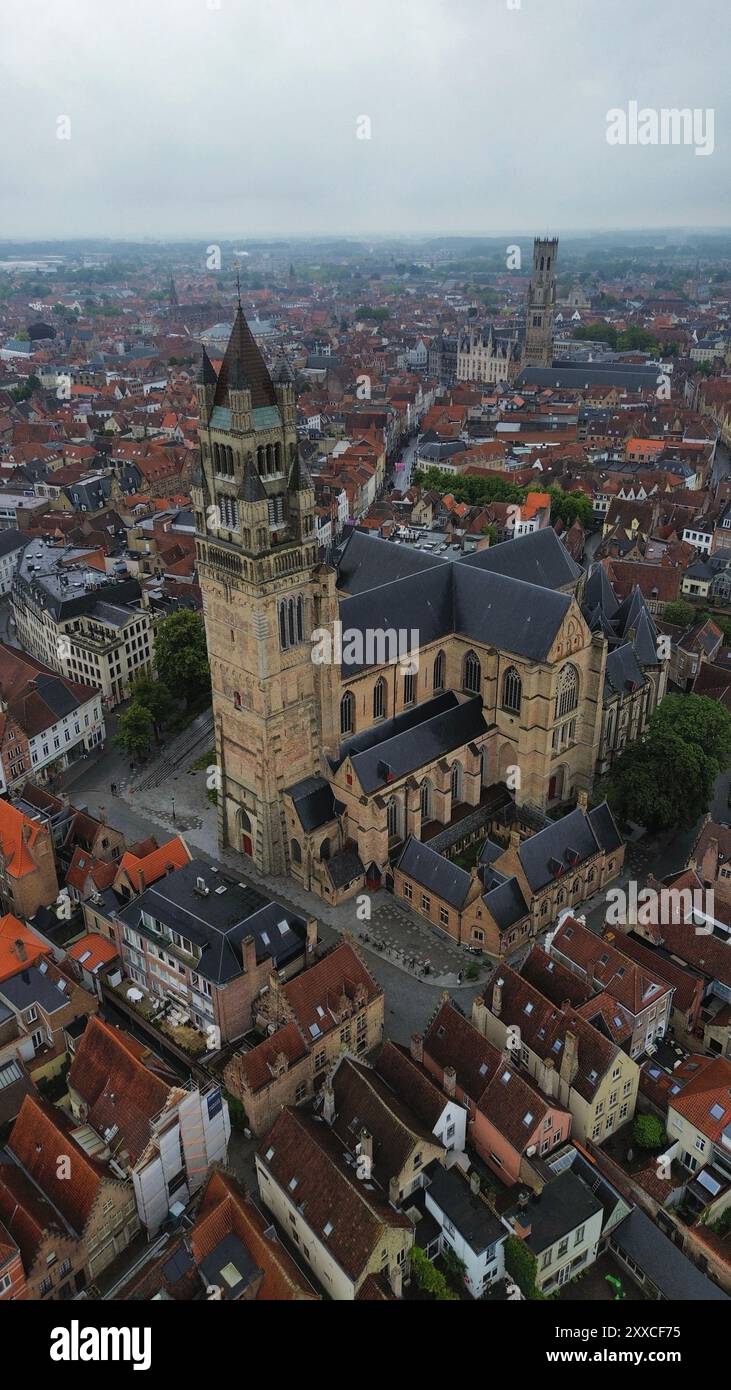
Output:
x=181 y=656
x=667 y=780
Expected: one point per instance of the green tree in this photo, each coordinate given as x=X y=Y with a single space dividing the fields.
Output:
x=567 y=506
x=648 y=1132
x=521 y=1265
x=430 y=1280
x=181 y=656
x=668 y=779
x=135 y=730
x=679 y=613
x=154 y=695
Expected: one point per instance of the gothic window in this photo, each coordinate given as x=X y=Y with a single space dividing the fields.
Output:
x=295 y=853
x=292 y=629
x=347 y=713
x=512 y=690
x=277 y=458
x=393 y=818
x=439 y=671
x=260 y=460
x=425 y=794
x=409 y=688
x=229 y=511
x=379 y=698
x=456 y=782
x=283 y=627
x=567 y=696
x=244 y=821
x=325 y=849
x=472 y=674
x=300 y=620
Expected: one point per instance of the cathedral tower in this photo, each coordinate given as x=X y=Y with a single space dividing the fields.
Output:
x=256 y=552
x=541 y=304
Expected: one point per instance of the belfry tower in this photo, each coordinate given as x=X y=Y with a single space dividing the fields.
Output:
x=541 y=304
x=256 y=552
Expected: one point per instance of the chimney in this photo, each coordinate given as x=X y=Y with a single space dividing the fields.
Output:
x=475 y=1184
x=395 y=1278
x=394 y=1192
x=20 y=950
x=328 y=1102
x=479 y=1014
x=311 y=944
x=366 y=1145
x=497 y=997
x=450 y=1080
x=515 y=838
x=416 y=1046
x=249 y=954
x=523 y=1198
x=582 y=800
x=570 y=1059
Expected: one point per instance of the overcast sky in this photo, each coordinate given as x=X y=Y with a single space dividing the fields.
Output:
x=227 y=118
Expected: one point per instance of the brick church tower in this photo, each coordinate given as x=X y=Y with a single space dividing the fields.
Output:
x=541 y=304
x=256 y=553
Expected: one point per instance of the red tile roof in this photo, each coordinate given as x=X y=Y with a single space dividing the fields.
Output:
x=117 y=1087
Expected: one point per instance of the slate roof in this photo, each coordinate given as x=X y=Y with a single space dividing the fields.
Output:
x=313 y=801
x=661 y=1260
x=510 y=601
x=218 y=922
x=244 y=366
x=505 y=903
x=558 y=849
x=623 y=673
x=564 y=1204
x=467 y=1211
x=435 y=873
x=409 y=748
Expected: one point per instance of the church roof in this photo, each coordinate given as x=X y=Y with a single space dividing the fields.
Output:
x=207 y=375
x=299 y=478
x=244 y=366
x=252 y=488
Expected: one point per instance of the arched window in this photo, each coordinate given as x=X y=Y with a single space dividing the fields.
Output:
x=425 y=794
x=295 y=853
x=292 y=631
x=611 y=722
x=472 y=674
x=409 y=688
x=325 y=849
x=438 y=681
x=512 y=690
x=379 y=698
x=244 y=821
x=283 y=627
x=347 y=713
x=300 y=619
x=393 y=818
x=567 y=696
x=456 y=782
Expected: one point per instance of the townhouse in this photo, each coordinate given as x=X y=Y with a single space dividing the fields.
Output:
x=469 y=1228
x=699 y=1113
x=43 y=1006
x=561 y=1226
x=163 y=1135
x=28 y=877
x=345 y=1228
x=228 y=1255
x=201 y=945
x=335 y=1006
x=645 y=999
x=510 y=1124
x=572 y=1062
x=52 y=1167
x=47 y=722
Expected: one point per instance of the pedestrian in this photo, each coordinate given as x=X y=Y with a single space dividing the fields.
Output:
x=459 y=977
x=113 y=788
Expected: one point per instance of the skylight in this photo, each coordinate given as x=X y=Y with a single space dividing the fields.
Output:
x=528 y=1118
x=717 y=1112
x=505 y=1076
x=327 y=1228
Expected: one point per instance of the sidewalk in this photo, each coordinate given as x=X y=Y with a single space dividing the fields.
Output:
x=176 y=802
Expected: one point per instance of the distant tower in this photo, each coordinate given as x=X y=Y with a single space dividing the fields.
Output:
x=256 y=551
x=173 y=295
x=541 y=304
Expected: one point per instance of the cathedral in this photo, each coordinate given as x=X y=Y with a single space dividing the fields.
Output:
x=523 y=671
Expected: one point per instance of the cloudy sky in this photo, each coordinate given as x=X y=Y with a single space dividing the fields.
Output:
x=226 y=118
